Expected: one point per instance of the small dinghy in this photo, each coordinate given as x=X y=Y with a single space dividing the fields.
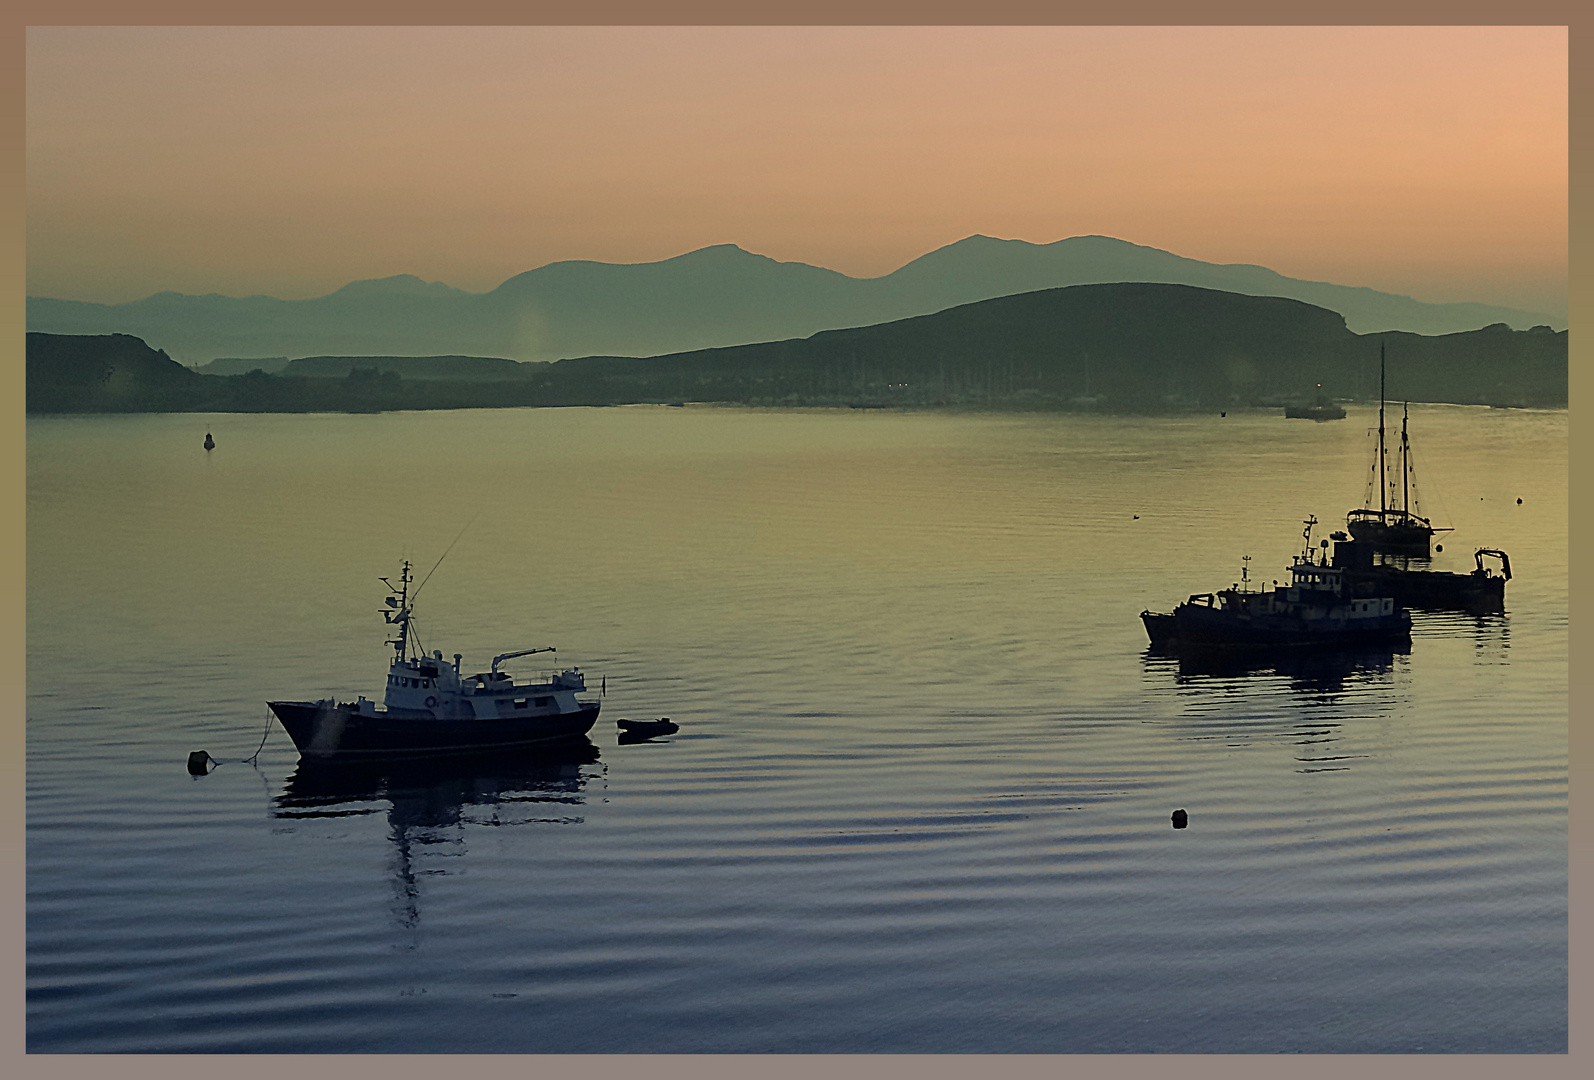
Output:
x=646 y=729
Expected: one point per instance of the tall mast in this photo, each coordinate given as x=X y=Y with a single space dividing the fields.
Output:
x=1382 y=471
x=1405 y=460
x=402 y=615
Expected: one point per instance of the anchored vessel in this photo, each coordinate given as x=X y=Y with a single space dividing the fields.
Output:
x=1321 y=606
x=1320 y=410
x=1391 y=528
x=1481 y=591
x=431 y=707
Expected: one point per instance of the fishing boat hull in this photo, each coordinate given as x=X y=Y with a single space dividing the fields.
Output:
x=325 y=729
x=1436 y=590
x=1193 y=625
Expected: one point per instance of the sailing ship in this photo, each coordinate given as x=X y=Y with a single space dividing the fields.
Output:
x=1399 y=529
x=431 y=707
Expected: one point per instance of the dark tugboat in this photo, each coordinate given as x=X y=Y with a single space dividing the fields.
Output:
x=1320 y=607
x=431 y=708
x=1400 y=530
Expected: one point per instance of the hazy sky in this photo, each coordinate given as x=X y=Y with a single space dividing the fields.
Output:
x=289 y=161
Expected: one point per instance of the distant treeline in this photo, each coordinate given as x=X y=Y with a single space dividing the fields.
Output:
x=1121 y=348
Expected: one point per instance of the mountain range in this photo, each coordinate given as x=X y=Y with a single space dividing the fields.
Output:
x=713 y=297
x=1124 y=347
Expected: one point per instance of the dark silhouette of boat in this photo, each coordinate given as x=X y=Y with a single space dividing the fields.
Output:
x=432 y=708
x=1321 y=409
x=1480 y=591
x=1390 y=527
x=635 y=731
x=1321 y=606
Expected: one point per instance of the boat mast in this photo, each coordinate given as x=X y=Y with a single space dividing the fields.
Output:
x=1405 y=462
x=1382 y=471
x=402 y=615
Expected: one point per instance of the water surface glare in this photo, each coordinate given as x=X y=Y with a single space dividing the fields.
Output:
x=920 y=797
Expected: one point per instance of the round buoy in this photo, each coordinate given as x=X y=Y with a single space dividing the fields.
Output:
x=1519 y=502
x=1180 y=819
x=210 y=444
x=1438 y=547
x=198 y=763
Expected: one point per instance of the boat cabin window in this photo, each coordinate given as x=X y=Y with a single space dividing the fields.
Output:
x=544 y=701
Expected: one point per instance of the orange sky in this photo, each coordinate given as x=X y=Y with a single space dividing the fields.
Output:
x=289 y=161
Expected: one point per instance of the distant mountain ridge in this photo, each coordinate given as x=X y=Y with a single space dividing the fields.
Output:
x=1125 y=347
x=709 y=298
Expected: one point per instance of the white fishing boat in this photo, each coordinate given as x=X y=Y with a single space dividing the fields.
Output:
x=432 y=707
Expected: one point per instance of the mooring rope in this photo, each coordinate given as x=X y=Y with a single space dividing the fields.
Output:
x=199 y=761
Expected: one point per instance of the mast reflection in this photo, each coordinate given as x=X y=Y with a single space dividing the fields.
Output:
x=429 y=801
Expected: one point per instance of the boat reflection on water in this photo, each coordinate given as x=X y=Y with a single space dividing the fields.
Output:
x=1310 y=670
x=431 y=800
x=1323 y=708
x=435 y=791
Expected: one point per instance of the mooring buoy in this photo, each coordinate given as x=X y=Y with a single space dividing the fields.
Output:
x=198 y=763
x=1180 y=819
x=210 y=444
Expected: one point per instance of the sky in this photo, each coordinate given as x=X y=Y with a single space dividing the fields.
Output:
x=1426 y=161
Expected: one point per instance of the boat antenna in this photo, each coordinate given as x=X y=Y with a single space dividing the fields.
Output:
x=446 y=550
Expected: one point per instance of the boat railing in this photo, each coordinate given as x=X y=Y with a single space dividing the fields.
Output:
x=549 y=679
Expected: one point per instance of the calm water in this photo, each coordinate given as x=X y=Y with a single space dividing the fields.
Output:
x=920 y=796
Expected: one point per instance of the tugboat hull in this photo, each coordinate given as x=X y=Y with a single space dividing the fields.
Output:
x=324 y=729
x=1204 y=627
